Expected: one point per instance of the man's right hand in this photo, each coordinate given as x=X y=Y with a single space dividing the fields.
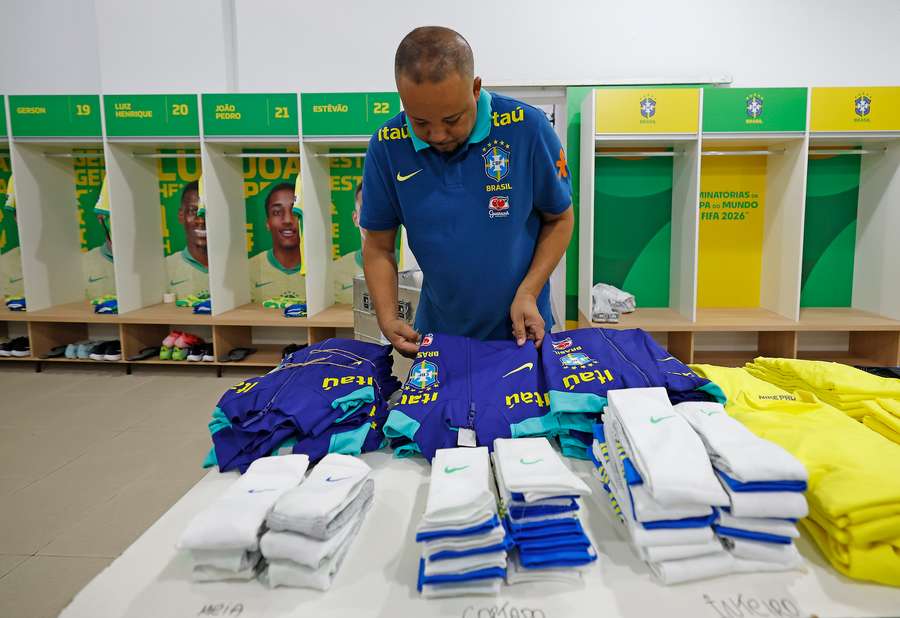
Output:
x=402 y=336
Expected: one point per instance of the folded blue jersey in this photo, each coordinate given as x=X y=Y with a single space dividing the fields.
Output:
x=557 y=558
x=581 y=366
x=517 y=511
x=493 y=388
x=542 y=529
x=751 y=535
x=445 y=533
x=455 y=578
x=449 y=554
x=737 y=485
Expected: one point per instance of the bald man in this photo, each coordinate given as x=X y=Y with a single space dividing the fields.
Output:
x=480 y=182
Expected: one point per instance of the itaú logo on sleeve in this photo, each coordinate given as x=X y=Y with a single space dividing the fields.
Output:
x=498 y=206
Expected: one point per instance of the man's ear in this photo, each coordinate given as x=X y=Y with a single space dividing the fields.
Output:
x=476 y=88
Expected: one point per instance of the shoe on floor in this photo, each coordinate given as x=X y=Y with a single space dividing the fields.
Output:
x=98 y=352
x=195 y=353
x=179 y=354
x=208 y=355
x=169 y=341
x=113 y=351
x=85 y=348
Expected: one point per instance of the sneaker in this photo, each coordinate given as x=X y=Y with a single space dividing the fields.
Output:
x=165 y=352
x=195 y=354
x=113 y=351
x=19 y=347
x=191 y=300
x=208 y=355
x=84 y=349
x=204 y=307
x=169 y=341
x=4 y=349
x=291 y=348
x=109 y=306
x=102 y=299
x=179 y=354
x=16 y=304
x=98 y=352
x=72 y=349
x=297 y=310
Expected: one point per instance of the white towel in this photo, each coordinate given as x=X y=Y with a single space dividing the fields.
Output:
x=465 y=564
x=463 y=543
x=780 y=527
x=530 y=466
x=233 y=560
x=764 y=552
x=234 y=519
x=678 y=552
x=306 y=550
x=293 y=575
x=736 y=450
x=330 y=488
x=517 y=574
x=669 y=455
x=693 y=569
x=459 y=493
x=462 y=589
x=768 y=504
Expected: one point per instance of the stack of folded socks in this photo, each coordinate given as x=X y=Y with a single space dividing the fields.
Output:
x=661 y=485
x=330 y=397
x=223 y=540
x=463 y=542
x=765 y=486
x=312 y=527
x=541 y=500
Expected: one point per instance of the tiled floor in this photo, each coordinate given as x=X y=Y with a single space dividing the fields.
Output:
x=89 y=458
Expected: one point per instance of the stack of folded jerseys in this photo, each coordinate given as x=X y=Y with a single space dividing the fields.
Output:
x=541 y=500
x=330 y=397
x=853 y=494
x=765 y=486
x=463 y=543
x=581 y=366
x=312 y=527
x=223 y=540
x=868 y=398
x=661 y=485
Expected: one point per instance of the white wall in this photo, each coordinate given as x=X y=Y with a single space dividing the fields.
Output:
x=172 y=45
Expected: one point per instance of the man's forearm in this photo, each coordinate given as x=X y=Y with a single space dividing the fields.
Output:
x=553 y=240
x=380 y=268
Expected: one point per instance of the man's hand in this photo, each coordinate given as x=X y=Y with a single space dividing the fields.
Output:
x=401 y=335
x=527 y=322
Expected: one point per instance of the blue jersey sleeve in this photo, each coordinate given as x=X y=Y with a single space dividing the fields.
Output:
x=380 y=209
x=552 y=184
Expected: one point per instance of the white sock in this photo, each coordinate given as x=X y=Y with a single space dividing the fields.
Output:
x=331 y=487
x=530 y=466
x=459 y=589
x=778 y=527
x=459 y=493
x=678 y=552
x=669 y=455
x=736 y=450
x=293 y=575
x=207 y=573
x=463 y=543
x=306 y=550
x=693 y=569
x=763 y=552
x=742 y=565
x=517 y=574
x=233 y=560
x=771 y=504
x=233 y=520
x=466 y=564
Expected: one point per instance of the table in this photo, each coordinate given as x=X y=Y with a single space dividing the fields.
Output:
x=152 y=579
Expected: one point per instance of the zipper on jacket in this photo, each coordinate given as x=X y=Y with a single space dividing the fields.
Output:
x=625 y=358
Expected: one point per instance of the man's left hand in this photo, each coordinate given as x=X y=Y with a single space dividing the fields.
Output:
x=527 y=322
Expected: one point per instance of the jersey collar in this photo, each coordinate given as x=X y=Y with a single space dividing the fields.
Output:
x=480 y=131
x=190 y=260
x=270 y=254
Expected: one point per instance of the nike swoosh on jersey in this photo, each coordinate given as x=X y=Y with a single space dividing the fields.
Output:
x=402 y=178
x=529 y=366
x=259 y=285
x=11 y=280
x=174 y=283
x=449 y=470
x=328 y=479
x=346 y=287
x=658 y=419
x=96 y=279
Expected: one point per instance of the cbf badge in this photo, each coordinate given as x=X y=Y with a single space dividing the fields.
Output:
x=648 y=107
x=575 y=359
x=423 y=375
x=496 y=160
x=754 y=106
x=862 y=105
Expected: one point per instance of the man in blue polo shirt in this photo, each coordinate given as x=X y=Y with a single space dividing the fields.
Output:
x=480 y=182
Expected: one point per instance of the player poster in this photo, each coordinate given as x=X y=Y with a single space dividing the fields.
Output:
x=93 y=224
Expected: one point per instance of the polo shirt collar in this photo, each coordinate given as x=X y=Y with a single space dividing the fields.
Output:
x=479 y=132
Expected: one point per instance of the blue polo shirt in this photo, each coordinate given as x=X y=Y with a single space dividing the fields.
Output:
x=471 y=216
